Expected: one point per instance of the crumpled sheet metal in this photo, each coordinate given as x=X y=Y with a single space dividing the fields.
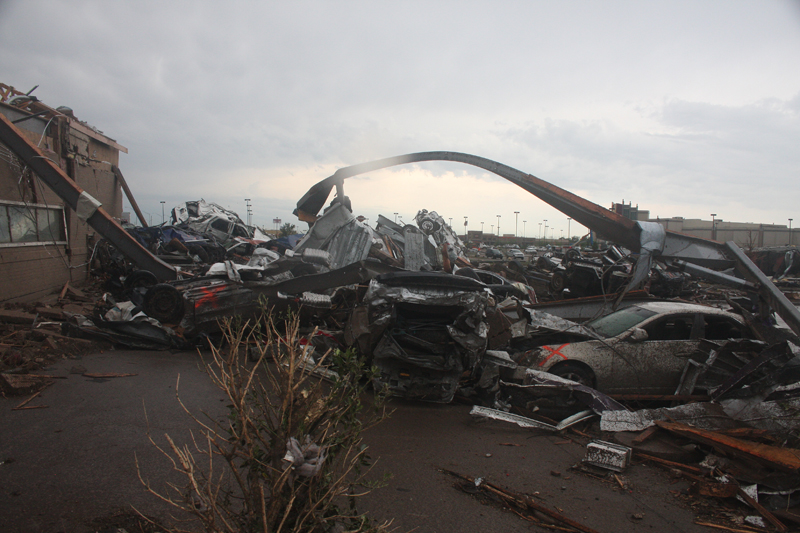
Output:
x=380 y=294
x=652 y=238
x=338 y=232
x=325 y=227
x=431 y=223
x=87 y=205
x=758 y=376
x=701 y=415
x=425 y=366
x=143 y=332
x=262 y=257
x=595 y=400
x=525 y=422
x=350 y=244
x=414 y=249
x=779 y=416
x=541 y=322
x=201 y=208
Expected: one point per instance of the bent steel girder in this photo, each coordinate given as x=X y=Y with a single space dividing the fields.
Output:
x=81 y=202
x=640 y=237
x=591 y=215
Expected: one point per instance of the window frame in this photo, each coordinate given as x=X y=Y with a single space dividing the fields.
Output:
x=60 y=217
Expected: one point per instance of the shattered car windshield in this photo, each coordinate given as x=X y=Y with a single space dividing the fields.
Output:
x=615 y=323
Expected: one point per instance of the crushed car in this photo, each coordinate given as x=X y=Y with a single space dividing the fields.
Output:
x=642 y=349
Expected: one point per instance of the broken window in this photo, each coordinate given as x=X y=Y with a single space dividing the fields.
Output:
x=615 y=323
x=22 y=224
x=240 y=231
x=221 y=225
x=673 y=328
x=718 y=328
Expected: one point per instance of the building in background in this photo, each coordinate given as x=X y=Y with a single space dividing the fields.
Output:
x=746 y=235
x=628 y=211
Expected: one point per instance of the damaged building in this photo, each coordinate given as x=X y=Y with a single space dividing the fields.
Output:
x=689 y=323
x=44 y=243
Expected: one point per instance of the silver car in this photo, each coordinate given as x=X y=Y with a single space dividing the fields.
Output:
x=643 y=350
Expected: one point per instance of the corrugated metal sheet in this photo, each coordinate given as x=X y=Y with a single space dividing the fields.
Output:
x=414 y=252
x=350 y=244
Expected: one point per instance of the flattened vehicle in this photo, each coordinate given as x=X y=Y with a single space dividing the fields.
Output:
x=644 y=350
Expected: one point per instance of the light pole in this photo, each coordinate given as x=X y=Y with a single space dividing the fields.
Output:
x=524 y=233
x=498 y=225
x=247 y=203
x=451 y=222
x=481 y=229
x=540 y=232
x=569 y=236
x=395 y=218
x=516 y=223
x=465 y=227
x=162 y=211
x=492 y=226
x=713 y=227
x=791 y=241
x=562 y=234
x=545 y=230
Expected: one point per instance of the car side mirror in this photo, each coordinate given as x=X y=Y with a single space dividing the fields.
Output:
x=638 y=335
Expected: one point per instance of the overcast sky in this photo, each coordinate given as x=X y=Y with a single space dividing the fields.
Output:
x=685 y=108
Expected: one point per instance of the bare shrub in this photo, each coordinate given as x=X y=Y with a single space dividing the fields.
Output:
x=289 y=457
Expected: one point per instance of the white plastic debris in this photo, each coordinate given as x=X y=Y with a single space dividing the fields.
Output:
x=305 y=461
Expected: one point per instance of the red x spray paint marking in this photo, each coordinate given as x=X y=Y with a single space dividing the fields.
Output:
x=553 y=352
x=209 y=296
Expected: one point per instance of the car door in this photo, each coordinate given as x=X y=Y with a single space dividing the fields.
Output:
x=660 y=359
x=221 y=229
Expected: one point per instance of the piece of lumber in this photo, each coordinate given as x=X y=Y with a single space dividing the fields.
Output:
x=726 y=528
x=523 y=500
x=762 y=510
x=670 y=464
x=51 y=313
x=26 y=402
x=785 y=459
x=645 y=435
x=15 y=316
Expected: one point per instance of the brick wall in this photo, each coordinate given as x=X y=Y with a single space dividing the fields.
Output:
x=33 y=271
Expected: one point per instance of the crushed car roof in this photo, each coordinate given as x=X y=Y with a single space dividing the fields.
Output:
x=680 y=307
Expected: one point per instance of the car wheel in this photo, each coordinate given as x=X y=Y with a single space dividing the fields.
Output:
x=572 y=254
x=574 y=372
x=557 y=282
x=164 y=303
x=140 y=278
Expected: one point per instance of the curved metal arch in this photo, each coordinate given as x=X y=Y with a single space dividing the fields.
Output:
x=591 y=215
x=611 y=225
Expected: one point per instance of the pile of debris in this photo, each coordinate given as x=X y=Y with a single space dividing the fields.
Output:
x=665 y=340
x=200 y=233
x=32 y=336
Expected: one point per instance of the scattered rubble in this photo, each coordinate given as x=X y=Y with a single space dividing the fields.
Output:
x=660 y=346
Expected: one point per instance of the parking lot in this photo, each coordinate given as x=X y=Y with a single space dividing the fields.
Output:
x=66 y=465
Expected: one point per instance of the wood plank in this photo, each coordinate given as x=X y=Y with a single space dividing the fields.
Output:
x=645 y=435
x=785 y=459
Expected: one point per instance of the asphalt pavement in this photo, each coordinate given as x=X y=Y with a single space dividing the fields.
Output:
x=66 y=465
